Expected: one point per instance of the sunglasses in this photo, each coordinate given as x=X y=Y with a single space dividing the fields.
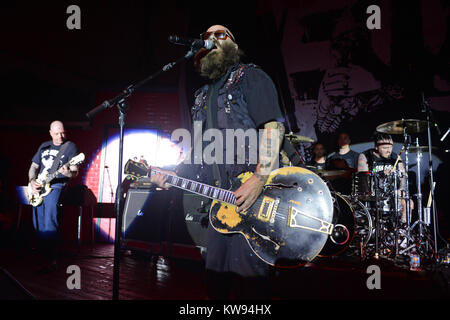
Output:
x=218 y=34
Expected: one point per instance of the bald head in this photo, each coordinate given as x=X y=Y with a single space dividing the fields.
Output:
x=56 y=125
x=57 y=132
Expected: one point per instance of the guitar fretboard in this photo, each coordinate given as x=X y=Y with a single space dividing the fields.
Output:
x=200 y=188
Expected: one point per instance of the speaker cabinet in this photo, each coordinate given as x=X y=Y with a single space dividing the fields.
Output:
x=196 y=210
x=164 y=220
x=145 y=219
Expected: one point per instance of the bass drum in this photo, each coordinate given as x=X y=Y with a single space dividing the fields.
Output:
x=352 y=227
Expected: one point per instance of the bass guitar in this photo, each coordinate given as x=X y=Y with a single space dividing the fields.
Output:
x=44 y=178
x=289 y=223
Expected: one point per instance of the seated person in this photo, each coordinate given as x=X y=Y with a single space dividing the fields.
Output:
x=318 y=159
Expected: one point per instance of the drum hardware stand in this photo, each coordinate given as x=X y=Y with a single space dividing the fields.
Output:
x=396 y=206
x=427 y=110
x=406 y=196
x=420 y=220
x=122 y=105
x=377 y=219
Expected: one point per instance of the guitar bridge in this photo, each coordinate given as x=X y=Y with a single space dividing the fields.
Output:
x=268 y=209
x=325 y=227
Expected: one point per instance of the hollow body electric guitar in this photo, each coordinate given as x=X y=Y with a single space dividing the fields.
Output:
x=44 y=178
x=288 y=224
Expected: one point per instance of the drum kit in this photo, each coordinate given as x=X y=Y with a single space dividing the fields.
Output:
x=380 y=218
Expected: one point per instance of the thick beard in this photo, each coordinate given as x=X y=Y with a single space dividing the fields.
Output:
x=216 y=63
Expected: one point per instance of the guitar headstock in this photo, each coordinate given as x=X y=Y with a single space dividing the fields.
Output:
x=136 y=169
x=78 y=159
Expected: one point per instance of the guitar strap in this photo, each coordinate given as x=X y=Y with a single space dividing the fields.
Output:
x=58 y=157
x=211 y=123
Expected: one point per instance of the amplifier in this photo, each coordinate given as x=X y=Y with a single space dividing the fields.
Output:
x=196 y=210
x=145 y=219
x=160 y=221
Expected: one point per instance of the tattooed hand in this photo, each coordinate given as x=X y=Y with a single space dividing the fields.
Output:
x=269 y=149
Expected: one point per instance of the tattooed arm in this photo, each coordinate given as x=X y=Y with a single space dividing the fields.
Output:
x=32 y=175
x=362 y=163
x=269 y=148
x=32 y=172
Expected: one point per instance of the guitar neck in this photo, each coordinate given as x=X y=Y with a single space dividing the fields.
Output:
x=53 y=175
x=205 y=190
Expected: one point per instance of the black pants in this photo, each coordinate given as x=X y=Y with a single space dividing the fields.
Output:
x=227 y=285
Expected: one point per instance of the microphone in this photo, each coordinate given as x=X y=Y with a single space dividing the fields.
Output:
x=193 y=43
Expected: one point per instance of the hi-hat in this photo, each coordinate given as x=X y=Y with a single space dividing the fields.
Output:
x=298 y=138
x=400 y=126
x=416 y=149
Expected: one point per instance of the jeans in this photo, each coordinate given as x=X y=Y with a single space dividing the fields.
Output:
x=46 y=222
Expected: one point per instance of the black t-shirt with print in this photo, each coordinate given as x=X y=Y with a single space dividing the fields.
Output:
x=47 y=153
x=379 y=164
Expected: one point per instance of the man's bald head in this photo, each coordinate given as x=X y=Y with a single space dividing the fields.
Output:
x=57 y=132
x=56 y=124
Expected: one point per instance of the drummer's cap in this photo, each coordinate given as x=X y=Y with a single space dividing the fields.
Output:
x=382 y=139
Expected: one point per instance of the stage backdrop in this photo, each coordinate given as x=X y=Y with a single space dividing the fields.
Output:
x=343 y=76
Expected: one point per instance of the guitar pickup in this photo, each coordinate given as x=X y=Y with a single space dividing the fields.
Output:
x=268 y=209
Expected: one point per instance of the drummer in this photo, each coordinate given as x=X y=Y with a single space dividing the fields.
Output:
x=382 y=159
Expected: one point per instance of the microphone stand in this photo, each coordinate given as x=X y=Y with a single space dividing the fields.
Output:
x=110 y=184
x=427 y=110
x=122 y=106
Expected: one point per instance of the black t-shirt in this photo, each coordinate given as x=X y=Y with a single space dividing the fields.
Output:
x=379 y=164
x=48 y=152
x=261 y=96
x=259 y=93
x=319 y=166
x=350 y=157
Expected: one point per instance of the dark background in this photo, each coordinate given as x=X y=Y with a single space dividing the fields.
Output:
x=49 y=72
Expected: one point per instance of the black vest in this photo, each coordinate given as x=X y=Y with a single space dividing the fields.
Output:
x=232 y=113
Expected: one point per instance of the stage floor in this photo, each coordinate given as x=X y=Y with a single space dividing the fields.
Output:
x=146 y=277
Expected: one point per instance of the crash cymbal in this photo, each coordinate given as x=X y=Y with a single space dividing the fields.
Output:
x=331 y=173
x=420 y=149
x=298 y=138
x=397 y=127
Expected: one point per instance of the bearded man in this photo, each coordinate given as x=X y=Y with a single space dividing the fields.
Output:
x=237 y=96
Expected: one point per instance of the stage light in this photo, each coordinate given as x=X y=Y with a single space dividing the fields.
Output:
x=142 y=145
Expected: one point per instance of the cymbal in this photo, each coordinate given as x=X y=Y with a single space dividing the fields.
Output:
x=331 y=173
x=416 y=149
x=298 y=138
x=397 y=127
